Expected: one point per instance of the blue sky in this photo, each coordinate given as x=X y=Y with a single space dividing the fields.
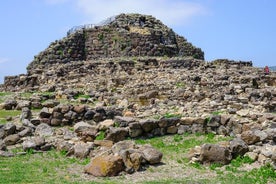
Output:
x=233 y=29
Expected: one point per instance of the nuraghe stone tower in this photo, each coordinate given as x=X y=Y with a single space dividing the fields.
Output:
x=122 y=35
x=119 y=38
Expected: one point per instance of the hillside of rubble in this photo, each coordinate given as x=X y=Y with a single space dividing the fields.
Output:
x=105 y=87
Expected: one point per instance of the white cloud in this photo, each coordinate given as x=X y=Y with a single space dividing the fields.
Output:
x=170 y=12
x=4 y=60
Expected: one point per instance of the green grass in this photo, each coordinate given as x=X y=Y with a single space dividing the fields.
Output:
x=181 y=143
x=171 y=115
x=54 y=167
x=50 y=167
x=81 y=96
x=264 y=174
x=5 y=95
x=4 y=114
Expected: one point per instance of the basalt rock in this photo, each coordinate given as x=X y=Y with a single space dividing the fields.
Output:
x=105 y=165
x=211 y=153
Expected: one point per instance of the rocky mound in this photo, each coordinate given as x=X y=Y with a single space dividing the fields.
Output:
x=134 y=77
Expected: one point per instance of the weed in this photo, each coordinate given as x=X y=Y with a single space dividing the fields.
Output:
x=101 y=36
x=177 y=138
x=210 y=136
x=213 y=166
x=208 y=119
x=231 y=169
x=196 y=165
x=80 y=95
x=180 y=85
x=116 y=124
x=150 y=169
x=60 y=52
x=241 y=160
x=170 y=115
x=30 y=151
x=179 y=161
x=156 y=116
x=198 y=134
x=63 y=152
x=217 y=112
x=100 y=136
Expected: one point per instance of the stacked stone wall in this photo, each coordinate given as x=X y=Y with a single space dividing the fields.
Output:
x=127 y=35
x=68 y=49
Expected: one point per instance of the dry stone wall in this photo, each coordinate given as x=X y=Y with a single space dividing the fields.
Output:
x=126 y=35
x=71 y=48
x=56 y=74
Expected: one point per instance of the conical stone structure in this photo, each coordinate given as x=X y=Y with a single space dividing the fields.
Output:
x=125 y=35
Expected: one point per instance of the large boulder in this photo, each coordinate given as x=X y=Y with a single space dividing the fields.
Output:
x=64 y=146
x=44 y=130
x=25 y=132
x=124 y=121
x=249 y=137
x=238 y=147
x=212 y=153
x=86 y=131
x=105 y=124
x=9 y=104
x=148 y=125
x=9 y=129
x=81 y=150
x=11 y=139
x=28 y=123
x=33 y=143
x=3 y=146
x=135 y=129
x=2 y=133
x=167 y=122
x=22 y=104
x=116 y=134
x=105 y=165
x=151 y=155
x=214 y=121
x=45 y=113
x=26 y=113
x=122 y=146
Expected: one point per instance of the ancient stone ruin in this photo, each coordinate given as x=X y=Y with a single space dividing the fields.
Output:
x=132 y=77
